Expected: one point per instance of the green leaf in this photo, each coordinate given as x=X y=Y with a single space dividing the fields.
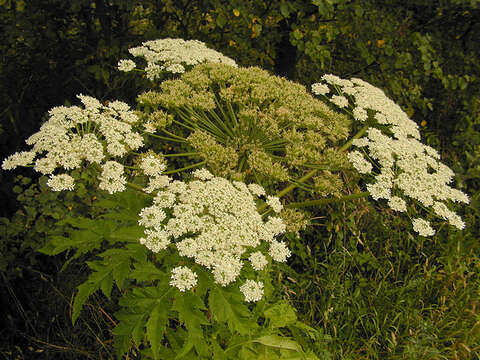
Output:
x=115 y=266
x=127 y=234
x=280 y=315
x=228 y=306
x=285 y=10
x=131 y=325
x=142 y=308
x=146 y=271
x=119 y=260
x=79 y=222
x=278 y=342
x=84 y=291
x=221 y=20
x=82 y=240
x=156 y=327
x=189 y=307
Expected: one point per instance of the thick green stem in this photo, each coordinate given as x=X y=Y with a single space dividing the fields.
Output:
x=181 y=154
x=327 y=201
x=134 y=187
x=184 y=168
x=173 y=135
x=360 y=133
x=165 y=138
x=310 y=174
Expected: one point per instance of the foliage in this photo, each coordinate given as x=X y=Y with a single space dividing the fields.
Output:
x=382 y=294
x=210 y=322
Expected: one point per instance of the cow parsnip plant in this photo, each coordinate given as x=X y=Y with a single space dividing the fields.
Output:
x=193 y=251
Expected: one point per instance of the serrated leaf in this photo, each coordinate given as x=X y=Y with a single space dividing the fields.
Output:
x=311 y=332
x=142 y=308
x=55 y=246
x=189 y=307
x=84 y=291
x=227 y=306
x=106 y=285
x=130 y=326
x=280 y=315
x=119 y=261
x=115 y=266
x=83 y=241
x=218 y=352
x=122 y=344
x=126 y=234
x=146 y=271
x=156 y=326
x=145 y=298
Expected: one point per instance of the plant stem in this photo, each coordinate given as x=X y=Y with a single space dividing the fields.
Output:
x=134 y=186
x=310 y=174
x=327 y=201
x=164 y=137
x=173 y=135
x=185 y=168
x=360 y=133
x=181 y=154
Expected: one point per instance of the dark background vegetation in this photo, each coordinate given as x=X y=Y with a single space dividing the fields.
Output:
x=375 y=291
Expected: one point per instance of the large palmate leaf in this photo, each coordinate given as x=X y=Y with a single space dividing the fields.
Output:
x=115 y=266
x=190 y=308
x=144 y=315
x=227 y=305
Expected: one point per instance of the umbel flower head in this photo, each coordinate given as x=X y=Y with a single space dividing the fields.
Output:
x=215 y=223
x=76 y=135
x=250 y=125
x=172 y=56
x=406 y=167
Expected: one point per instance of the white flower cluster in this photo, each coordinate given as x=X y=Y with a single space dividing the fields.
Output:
x=183 y=278
x=172 y=56
x=74 y=134
x=252 y=290
x=406 y=166
x=112 y=179
x=214 y=222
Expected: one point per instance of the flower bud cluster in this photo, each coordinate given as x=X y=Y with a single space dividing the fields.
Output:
x=215 y=222
x=406 y=166
x=172 y=56
x=72 y=135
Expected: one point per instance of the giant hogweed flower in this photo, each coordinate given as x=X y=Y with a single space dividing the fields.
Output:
x=173 y=56
x=215 y=223
x=94 y=133
x=405 y=168
x=249 y=125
